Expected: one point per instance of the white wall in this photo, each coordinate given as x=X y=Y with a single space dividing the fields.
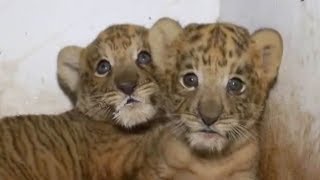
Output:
x=33 y=31
x=294 y=106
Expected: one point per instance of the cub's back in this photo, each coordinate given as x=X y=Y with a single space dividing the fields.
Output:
x=42 y=147
x=72 y=146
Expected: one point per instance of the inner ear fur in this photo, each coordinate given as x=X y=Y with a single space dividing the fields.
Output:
x=161 y=36
x=68 y=70
x=269 y=44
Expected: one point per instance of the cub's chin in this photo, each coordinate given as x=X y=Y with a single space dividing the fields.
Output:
x=207 y=142
x=134 y=114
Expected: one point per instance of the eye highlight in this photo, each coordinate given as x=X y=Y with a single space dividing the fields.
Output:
x=144 y=58
x=103 y=67
x=190 y=80
x=235 y=86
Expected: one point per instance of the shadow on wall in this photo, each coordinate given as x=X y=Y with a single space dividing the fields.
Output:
x=293 y=154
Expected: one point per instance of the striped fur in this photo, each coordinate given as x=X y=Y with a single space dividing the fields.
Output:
x=72 y=146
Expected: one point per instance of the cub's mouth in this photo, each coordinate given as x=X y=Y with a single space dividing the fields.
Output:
x=133 y=112
x=207 y=130
x=131 y=100
x=128 y=102
x=209 y=133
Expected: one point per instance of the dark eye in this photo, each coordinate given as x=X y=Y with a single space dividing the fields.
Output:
x=190 y=80
x=235 y=86
x=144 y=58
x=103 y=67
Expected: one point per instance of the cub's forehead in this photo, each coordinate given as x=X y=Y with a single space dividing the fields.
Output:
x=221 y=36
x=116 y=42
x=219 y=44
x=122 y=35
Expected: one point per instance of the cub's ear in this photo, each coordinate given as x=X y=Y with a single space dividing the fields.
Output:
x=161 y=35
x=270 y=46
x=165 y=30
x=68 y=70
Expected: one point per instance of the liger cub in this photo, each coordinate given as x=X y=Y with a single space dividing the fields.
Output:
x=224 y=75
x=108 y=133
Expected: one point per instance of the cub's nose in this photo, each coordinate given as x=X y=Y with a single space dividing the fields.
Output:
x=208 y=120
x=127 y=87
x=209 y=111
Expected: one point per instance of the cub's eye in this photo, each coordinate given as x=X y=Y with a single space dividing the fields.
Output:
x=103 y=67
x=144 y=58
x=235 y=86
x=190 y=80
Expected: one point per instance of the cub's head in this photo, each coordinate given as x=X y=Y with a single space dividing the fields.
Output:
x=115 y=77
x=223 y=78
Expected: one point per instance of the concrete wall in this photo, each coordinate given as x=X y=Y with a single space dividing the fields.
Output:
x=294 y=106
x=33 y=31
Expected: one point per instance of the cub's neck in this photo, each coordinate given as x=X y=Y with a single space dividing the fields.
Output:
x=159 y=152
x=239 y=161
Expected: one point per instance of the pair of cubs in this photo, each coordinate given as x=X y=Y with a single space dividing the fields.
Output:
x=160 y=103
